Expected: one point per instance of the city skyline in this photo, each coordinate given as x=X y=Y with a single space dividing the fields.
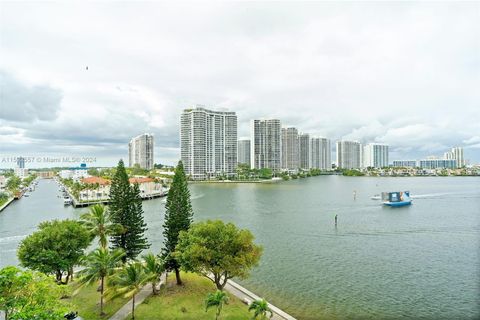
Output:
x=403 y=75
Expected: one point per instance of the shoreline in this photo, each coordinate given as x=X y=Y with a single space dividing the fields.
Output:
x=6 y=204
x=242 y=293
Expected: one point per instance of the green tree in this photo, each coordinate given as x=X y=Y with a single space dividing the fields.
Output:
x=217 y=300
x=154 y=268
x=136 y=227
x=13 y=184
x=178 y=217
x=260 y=309
x=218 y=249
x=94 y=172
x=99 y=264
x=126 y=210
x=98 y=221
x=55 y=248
x=128 y=281
x=265 y=173
x=26 y=294
x=137 y=171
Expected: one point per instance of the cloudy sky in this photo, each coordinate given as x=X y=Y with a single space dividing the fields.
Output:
x=406 y=74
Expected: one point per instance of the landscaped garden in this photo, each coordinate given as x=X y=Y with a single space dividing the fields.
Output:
x=188 y=302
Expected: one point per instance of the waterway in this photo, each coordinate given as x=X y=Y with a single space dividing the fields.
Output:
x=421 y=261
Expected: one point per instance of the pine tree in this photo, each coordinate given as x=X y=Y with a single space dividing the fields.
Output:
x=135 y=236
x=178 y=217
x=126 y=210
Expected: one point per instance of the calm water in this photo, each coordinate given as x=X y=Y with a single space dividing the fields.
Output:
x=421 y=261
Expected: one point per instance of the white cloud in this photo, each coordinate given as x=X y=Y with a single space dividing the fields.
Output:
x=400 y=73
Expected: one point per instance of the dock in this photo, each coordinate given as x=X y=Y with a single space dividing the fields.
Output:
x=80 y=204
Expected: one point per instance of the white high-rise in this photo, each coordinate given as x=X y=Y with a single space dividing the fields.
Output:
x=208 y=142
x=458 y=155
x=244 y=152
x=140 y=151
x=349 y=154
x=375 y=155
x=290 y=149
x=305 y=151
x=265 y=144
x=320 y=154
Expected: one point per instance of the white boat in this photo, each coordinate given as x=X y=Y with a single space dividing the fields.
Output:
x=67 y=201
x=396 y=199
x=376 y=197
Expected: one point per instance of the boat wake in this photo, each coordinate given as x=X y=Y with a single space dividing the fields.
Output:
x=441 y=195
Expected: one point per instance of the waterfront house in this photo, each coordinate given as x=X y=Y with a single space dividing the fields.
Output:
x=94 y=189
x=149 y=188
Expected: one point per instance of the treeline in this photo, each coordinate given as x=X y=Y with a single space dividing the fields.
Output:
x=214 y=249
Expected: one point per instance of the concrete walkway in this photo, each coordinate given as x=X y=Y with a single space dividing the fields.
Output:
x=146 y=291
x=232 y=287
x=247 y=296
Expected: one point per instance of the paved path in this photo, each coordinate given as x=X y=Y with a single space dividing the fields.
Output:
x=146 y=291
x=245 y=295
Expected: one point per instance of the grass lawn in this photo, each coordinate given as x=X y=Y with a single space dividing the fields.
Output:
x=187 y=302
x=87 y=302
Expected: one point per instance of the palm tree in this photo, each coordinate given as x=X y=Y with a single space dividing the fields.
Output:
x=261 y=309
x=154 y=267
x=216 y=299
x=100 y=264
x=98 y=221
x=128 y=281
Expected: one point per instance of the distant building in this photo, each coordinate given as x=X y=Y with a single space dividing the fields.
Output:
x=244 y=152
x=405 y=163
x=290 y=149
x=21 y=162
x=305 y=151
x=349 y=154
x=148 y=187
x=21 y=172
x=320 y=154
x=208 y=143
x=46 y=174
x=141 y=151
x=375 y=155
x=438 y=164
x=457 y=154
x=265 y=144
x=75 y=173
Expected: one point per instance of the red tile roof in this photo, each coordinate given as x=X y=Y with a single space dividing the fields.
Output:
x=140 y=180
x=93 y=180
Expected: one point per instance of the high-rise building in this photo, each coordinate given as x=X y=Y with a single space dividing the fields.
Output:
x=458 y=156
x=244 y=152
x=349 y=154
x=320 y=154
x=140 y=151
x=375 y=155
x=265 y=144
x=290 y=149
x=438 y=164
x=21 y=162
x=305 y=150
x=208 y=143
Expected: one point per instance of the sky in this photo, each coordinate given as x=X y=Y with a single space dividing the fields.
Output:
x=402 y=73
